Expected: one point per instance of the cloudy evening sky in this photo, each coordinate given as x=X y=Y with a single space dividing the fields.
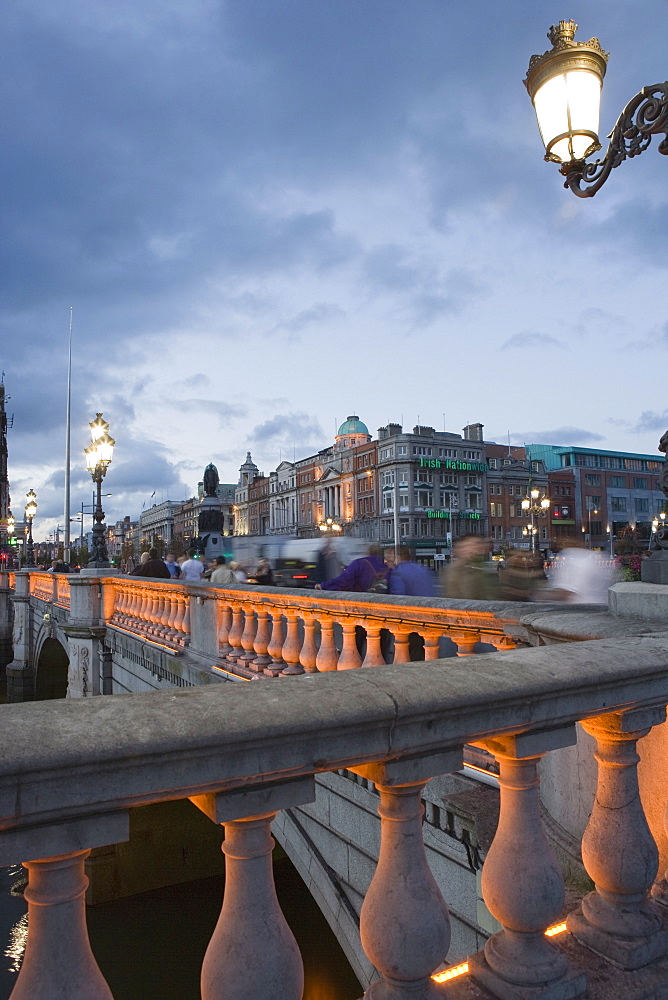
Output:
x=269 y=214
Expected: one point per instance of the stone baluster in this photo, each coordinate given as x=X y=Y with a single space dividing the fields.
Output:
x=401 y=646
x=172 y=631
x=309 y=650
x=155 y=617
x=349 y=658
x=144 y=610
x=186 y=619
x=617 y=919
x=223 y=632
x=465 y=642
x=178 y=618
x=125 y=605
x=261 y=641
x=431 y=644
x=119 y=604
x=522 y=883
x=235 y=633
x=248 y=637
x=404 y=921
x=292 y=646
x=373 y=656
x=252 y=937
x=328 y=655
x=275 y=648
x=58 y=958
x=134 y=606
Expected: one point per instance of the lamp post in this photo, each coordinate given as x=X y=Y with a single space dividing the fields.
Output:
x=658 y=522
x=565 y=87
x=534 y=506
x=590 y=511
x=11 y=526
x=30 y=511
x=98 y=457
x=329 y=524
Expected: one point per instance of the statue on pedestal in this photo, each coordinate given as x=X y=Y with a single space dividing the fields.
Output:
x=211 y=480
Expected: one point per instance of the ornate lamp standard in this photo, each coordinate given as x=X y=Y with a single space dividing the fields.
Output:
x=659 y=521
x=329 y=524
x=565 y=87
x=533 y=507
x=98 y=458
x=30 y=510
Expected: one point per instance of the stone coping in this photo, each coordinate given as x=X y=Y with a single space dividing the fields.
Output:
x=64 y=759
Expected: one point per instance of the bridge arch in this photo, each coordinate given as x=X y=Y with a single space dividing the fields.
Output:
x=51 y=669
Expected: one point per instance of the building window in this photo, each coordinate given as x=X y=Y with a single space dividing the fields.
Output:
x=642 y=505
x=402 y=449
x=596 y=528
x=639 y=483
x=512 y=510
x=473 y=501
x=473 y=456
x=386 y=453
x=447 y=499
x=421 y=449
x=617 y=503
x=496 y=509
x=425 y=498
x=492 y=463
x=591 y=503
x=388 y=478
x=592 y=480
x=388 y=501
x=618 y=482
x=404 y=527
x=447 y=453
x=535 y=467
x=403 y=477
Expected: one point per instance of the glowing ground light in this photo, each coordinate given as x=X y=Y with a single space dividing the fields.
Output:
x=460 y=970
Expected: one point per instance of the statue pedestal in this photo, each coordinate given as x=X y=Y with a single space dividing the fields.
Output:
x=210 y=528
x=655 y=569
x=647 y=601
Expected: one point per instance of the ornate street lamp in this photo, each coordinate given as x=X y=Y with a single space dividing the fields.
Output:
x=534 y=506
x=565 y=87
x=30 y=511
x=329 y=524
x=98 y=457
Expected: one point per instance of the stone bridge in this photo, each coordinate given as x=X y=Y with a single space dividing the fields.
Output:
x=346 y=766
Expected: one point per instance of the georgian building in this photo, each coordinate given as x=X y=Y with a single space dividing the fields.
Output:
x=510 y=478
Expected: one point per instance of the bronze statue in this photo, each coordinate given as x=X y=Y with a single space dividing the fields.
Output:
x=211 y=480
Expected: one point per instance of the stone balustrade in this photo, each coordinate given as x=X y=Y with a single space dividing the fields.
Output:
x=62 y=793
x=54 y=588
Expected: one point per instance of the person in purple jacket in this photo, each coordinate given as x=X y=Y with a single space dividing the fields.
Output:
x=361 y=575
x=410 y=578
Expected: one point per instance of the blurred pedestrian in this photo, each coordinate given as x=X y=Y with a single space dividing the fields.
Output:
x=239 y=572
x=581 y=576
x=172 y=566
x=264 y=574
x=152 y=566
x=328 y=564
x=410 y=578
x=192 y=568
x=467 y=577
x=523 y=576
x=222 y=575
x=368 y=574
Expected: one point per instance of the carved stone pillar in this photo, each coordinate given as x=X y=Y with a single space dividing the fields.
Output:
x=235 y=633
x=522 y=883
x=223 y=632
x=275 y=648
x=252 y=937
x=309 y=650
x=617 y=920
x=20 y=672
x=349 y=658
x=248 y=637
x=83 y=674
x=261 y=641
x=292 y=645
x=431 y=644
x=328 y=655
x=404 y=921
x=373 y=657
x=401 y=646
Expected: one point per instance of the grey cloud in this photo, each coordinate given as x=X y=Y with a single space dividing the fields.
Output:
x=295 y=427
x=225 y=412
x=559 y=436
x=530 y=339
x=650 y=420
x=319 y=312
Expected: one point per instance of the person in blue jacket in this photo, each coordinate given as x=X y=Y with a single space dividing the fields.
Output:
x=410 y=578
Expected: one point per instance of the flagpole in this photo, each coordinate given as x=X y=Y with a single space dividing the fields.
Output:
x=66 y=518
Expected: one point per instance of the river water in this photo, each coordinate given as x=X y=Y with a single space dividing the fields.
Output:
x=152 y=945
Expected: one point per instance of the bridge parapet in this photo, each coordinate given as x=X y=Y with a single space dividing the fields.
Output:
x=62 y=792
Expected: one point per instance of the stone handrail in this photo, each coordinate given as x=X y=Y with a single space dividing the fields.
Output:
x=62 y=793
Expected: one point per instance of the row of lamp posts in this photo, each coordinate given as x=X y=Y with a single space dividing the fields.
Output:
x=99 y=454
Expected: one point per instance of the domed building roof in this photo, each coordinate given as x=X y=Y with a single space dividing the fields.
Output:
x=352 y=425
